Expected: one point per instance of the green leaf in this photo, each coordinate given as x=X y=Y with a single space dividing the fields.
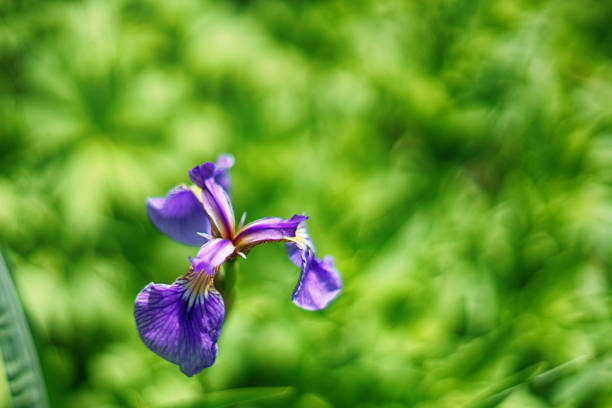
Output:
x=534 y=377
x=20 y=361
x=229 y=398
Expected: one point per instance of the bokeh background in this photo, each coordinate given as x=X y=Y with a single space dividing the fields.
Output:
x=455 y=157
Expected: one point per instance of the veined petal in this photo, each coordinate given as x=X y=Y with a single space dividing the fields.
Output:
x=179 y=215
x=318 y=285
x=298 y=248
x=268 y=229
x=177 y=328
x=212 y=254
x=215 y=200
x=221 y=174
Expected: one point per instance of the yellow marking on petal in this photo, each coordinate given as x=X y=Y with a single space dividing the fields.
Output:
x=301 y=238
x=300 y=232
x=196 y=284
x=197 y=191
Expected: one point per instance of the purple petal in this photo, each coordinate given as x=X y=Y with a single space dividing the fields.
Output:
x=268 y=229
x=212 y=254
x=179 y=215
x=180 y=331
x=297 y=252
x=318 y=285
x=202 y=172
x=221 y=173
x=215 y=200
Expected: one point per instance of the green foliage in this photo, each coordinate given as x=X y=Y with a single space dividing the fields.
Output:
x=230 y=398
x=454 y=158
x=19 y=359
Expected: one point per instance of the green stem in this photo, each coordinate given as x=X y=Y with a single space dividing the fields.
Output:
x=225 y=282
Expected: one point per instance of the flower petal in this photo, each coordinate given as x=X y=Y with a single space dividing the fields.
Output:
x=173 y=329
x=212 y=254
x=318 y=285
x=297 y=251
x=215 y=200
x=179 y=215
x=268 y=229
x=221 y=174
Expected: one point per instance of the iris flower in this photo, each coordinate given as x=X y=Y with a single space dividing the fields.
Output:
x=181 y=322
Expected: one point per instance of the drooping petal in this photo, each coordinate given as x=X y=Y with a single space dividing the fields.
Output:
x=319 y=284
x=179 y=215
x=299 y=247
x=266 y=230
x=181 y=331
x=215 y=200
x=221 y=174
x=212 y=254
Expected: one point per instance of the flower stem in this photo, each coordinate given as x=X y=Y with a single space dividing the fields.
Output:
x=225 y=283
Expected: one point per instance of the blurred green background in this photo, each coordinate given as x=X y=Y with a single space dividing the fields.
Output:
x=455 y=157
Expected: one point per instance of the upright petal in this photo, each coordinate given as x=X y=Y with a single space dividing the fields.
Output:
x=318 y=285
x=179 y=215
x=266 y=230
x=180 y=331
x=215 y=200
x=212 y=254
x=221 y=174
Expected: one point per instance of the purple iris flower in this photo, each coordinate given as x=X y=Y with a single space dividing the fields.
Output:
x=181 y=322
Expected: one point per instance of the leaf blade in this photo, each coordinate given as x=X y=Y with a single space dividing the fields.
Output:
x=227 y=398
x=20 y=361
